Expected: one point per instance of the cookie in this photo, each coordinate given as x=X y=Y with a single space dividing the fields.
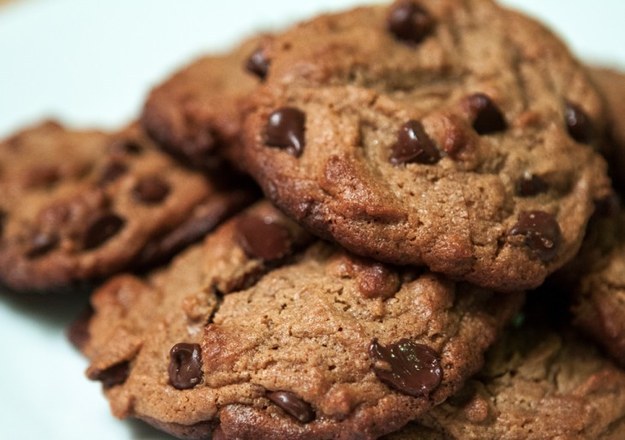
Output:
x=599 y=293
x=456 y=135
x=80 y=205
x=612 y=84
x=195 y=114
x=536 y=384
x=249 y=337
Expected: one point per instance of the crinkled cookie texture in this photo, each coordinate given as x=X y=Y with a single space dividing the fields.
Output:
x=612 y=84
x=78 y=205
x=599 y=294
x=447 y=133
x=536 y=384
x=324 y=345
x=196 y=114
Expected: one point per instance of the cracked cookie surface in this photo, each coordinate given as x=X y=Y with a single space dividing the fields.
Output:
x=79 y=205
x=452 y=134
x=249 y=337
x=537 y=383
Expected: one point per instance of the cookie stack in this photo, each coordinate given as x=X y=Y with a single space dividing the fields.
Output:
x=438 y=237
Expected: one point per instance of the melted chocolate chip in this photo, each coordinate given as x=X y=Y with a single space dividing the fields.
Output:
x=40 y=244
x=100 y=228
x=113 y=375
x=285 y=129
x=258 y=64
x=413 y=145
x=150 y=189
x=406 y=366
x=111 y=172
x=487 y=117
x=409 y=22
x=263 y=239
x=185 y=365
x=292 y=405
x=578 y=123
x=542 y=233
x=530 y=185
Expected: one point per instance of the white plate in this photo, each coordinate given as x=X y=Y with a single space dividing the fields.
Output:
x=90 y=63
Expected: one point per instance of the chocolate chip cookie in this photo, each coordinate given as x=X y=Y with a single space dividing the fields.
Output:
x=79 y=205
x=195 y=114
x=599 y=293
x=323 y=345
x=536 y=384
x=456 y=135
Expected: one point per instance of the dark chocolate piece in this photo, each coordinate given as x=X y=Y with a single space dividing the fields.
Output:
x=185 y=365
x=263 y=239
x=285 y=129
x=542 y=233
x=406 y=366
x=292 y=405
x=409 y=22
x=413 y=145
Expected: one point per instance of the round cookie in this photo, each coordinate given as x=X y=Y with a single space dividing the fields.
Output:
x=452 y=134
x=324 y=345
x=536 y=384
x=79 y=205
x=195 y=114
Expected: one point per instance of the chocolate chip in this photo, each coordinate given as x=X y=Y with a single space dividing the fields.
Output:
x=258 y=64
x=292 y=405
x=530 y=185
x=487 y=117
x=263 y=239
x=113 y=375
x=112 y=171
x=578 y=123
x=100 y=228
x=413 y=145
x=409 y=22
x=285 y=129
x=40 y=244
x=185 y=365
x=150 y=189
x=542 y=233
x=406 y=366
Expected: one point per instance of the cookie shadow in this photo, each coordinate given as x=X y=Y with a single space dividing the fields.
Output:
x=142 y=431
x=55 y=310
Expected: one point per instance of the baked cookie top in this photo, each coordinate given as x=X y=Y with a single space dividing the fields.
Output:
x=536 y=384
x=446 y=133
x=79 y=205
x=323 y=345
x=196 y=114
